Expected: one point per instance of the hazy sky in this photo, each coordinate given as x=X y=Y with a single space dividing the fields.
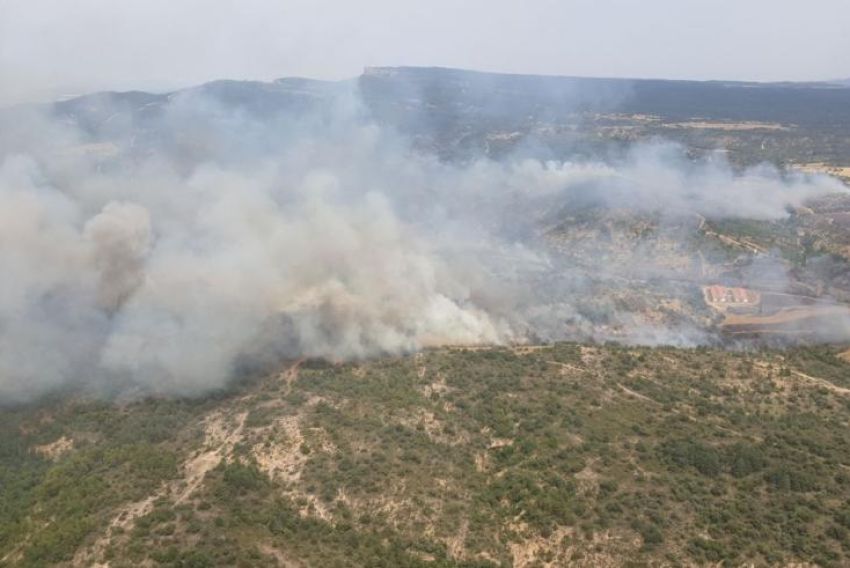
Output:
x=54 y=47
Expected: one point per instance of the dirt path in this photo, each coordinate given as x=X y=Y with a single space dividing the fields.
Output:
x=824 y=383
x=637 y=395
x=290 y=375
x=421 y=369
x=221 y=438
x=457 y=544
x=221 y=434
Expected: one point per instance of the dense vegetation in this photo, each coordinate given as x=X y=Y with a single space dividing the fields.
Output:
x=565 y=454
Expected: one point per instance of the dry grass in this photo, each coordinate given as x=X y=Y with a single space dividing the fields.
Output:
x=822 y=168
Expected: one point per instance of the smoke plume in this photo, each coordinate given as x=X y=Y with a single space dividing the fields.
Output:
x=158 y=262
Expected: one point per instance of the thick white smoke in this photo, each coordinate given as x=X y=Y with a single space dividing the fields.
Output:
x=143 y=273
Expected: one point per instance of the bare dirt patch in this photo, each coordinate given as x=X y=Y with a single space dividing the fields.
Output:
x=55 y=450
x=530 y=551
x=281 y=456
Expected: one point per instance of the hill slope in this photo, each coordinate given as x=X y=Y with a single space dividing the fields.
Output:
x=459 y=114
x=587 y=455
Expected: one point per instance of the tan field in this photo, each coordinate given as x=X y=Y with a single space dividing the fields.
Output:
x=729 y=126
x=796 y=320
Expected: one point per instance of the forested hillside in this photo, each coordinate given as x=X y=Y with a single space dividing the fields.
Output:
x=596 y=455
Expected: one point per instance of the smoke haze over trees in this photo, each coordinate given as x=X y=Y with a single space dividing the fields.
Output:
x=159 y=259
